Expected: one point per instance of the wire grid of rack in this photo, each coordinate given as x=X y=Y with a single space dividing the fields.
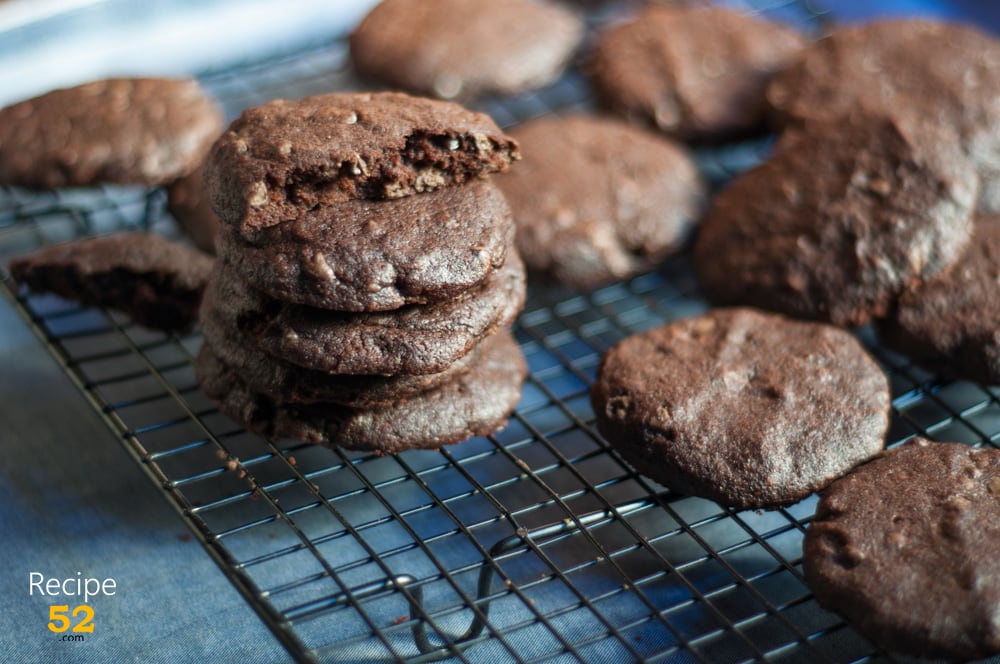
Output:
x=536 y=543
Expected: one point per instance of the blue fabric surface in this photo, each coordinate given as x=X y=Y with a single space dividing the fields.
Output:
x=71 y=500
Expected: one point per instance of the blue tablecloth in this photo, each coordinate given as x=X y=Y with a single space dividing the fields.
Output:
x=72 y=501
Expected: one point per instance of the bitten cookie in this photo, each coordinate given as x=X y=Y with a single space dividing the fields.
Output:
x=951 y=324
x=418 y=339
x=904 y=66
x=123 y=130
x=465 y=48
x=596 y=200
x=905 y=548
x=283 y=158
x=379 y=255
x=475 y=404
x=844 y=217
x=158 y=283
x=696 y=73
x=749 y=409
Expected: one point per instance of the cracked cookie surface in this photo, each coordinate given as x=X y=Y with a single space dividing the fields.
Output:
x=379 y=255
x=905 y=548
x=752 y=410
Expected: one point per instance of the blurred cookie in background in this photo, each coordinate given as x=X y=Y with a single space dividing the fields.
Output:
x=843 y=218
x=597 y=200
x=148 y=131
x=466 y=48
x=951 y=323
x=943 y=72
x=696 y=73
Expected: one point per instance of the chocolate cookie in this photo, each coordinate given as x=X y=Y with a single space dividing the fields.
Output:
x=904 y=66
x=125 y=130
x=465 y=48
x=749 y=409
x=292 y=384
x=951 y=324
x=596 y=200
x=843 y=218
x=696 y=73
x=281 y=159
x=905 y=548
x=188 y=204
x=417 y=339
x=158 y=283
x=379 y=255
x=475 y=404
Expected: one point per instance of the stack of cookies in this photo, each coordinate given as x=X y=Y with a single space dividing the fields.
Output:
x=366 y=273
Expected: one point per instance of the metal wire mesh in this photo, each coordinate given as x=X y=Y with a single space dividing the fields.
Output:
x=536 y=543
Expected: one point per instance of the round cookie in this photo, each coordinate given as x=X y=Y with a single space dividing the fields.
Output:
x=844 y=217
x=417 y=339
x=292 y=384
x=951 y=323
x=379 y=255
x=188 y=204
x=474 y=404
x=465 y=48
x=597 y=200
x=926 y=68
x=905 y=548
x=284 y=158
x=696 y=73
x=146 y=131
x=749 y=409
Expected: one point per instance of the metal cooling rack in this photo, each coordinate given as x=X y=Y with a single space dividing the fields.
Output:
x=536 y=543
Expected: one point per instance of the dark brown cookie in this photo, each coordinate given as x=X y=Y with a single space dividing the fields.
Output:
x=158 y=283
x=749 y=409
x=951 y=324
x=281 y=159
x=904 y=66
x=843 y=218
x=475 y=404
x=291 y=384
x=465 y=48
x=188 y=203
x=124 y=130
x=905 y=548
x=596 y=200
x=695 y=73
x=379 y=255
x=417 y=339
